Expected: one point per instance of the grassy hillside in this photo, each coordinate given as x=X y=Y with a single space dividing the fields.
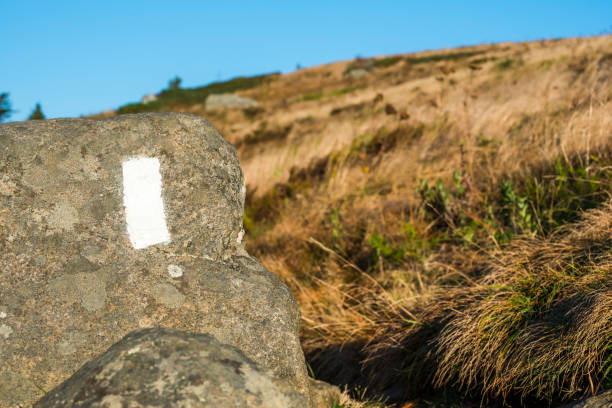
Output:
x=443 y=220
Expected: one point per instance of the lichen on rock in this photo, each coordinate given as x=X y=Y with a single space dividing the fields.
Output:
x=70 y=268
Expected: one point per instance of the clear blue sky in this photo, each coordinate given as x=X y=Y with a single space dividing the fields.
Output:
x=80 y=57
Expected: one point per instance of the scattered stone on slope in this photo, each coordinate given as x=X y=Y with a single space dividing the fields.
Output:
x=148 y=98
x=72 y=281
x=169 y=368
x=357 y=73
x=227 y=101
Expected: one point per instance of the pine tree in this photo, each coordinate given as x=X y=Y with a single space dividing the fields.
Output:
x=174 y=84
x=5 y=106
x=37 y=113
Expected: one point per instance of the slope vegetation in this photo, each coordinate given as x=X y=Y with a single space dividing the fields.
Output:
x=443 y=218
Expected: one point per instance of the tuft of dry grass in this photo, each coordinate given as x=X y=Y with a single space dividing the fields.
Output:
x=540 y=322
x=537 y=325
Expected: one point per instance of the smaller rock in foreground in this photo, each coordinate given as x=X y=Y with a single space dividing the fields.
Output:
x=166 y=367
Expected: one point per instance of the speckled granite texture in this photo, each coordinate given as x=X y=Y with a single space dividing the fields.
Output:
x=170 y=368
x=71 y=284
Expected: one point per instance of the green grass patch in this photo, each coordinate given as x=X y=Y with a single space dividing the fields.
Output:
x=367 y=146
x=263 y=135
x=386 y=62
x=320 y=95
x=344 y=91
x=539 y=204
x=525 y=299
x=265 y=208
x=312 y=97
x=482 y=60
x=505 y=65
x=546 y=64
x=252 y=112
x=559 y=196
x=191 y=96
x=410 y=246
x=370 y=63
x=456 y=56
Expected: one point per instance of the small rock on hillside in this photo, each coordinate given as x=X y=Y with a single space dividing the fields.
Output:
x=357 y=73
x=148 y=98
x=228 y=100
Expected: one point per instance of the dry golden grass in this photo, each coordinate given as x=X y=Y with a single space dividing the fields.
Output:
x=499 y=292
x=428 y=322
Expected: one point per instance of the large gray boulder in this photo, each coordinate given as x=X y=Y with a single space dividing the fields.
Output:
x=227 y=101
x=170 y=368
x=107 y=226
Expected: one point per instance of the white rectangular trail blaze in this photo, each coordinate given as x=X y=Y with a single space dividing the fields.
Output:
x=142 y=198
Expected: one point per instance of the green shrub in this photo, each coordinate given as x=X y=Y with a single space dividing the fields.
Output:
x=384 y=250
x=386 y=62
x=312 y=97
x=252 y=112
x=515 y=210
x=174 y=84
x=367 y=146
x=441 y=204
x=545 y=65
x=504 y=65
x=456 y=56
x=5 y=107
x=344 y=91
x=561 y=195
x=538 y=204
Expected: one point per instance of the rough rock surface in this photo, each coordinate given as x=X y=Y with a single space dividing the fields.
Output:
x=72 y=284
x=170 y=368
x=228 y=100
x=322 y=394
x=597 y=401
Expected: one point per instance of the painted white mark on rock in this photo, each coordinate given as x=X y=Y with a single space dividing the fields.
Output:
x=5 y=331
x=2 y=315
x=175 y=271
x=134 y=350
x=144 y=208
